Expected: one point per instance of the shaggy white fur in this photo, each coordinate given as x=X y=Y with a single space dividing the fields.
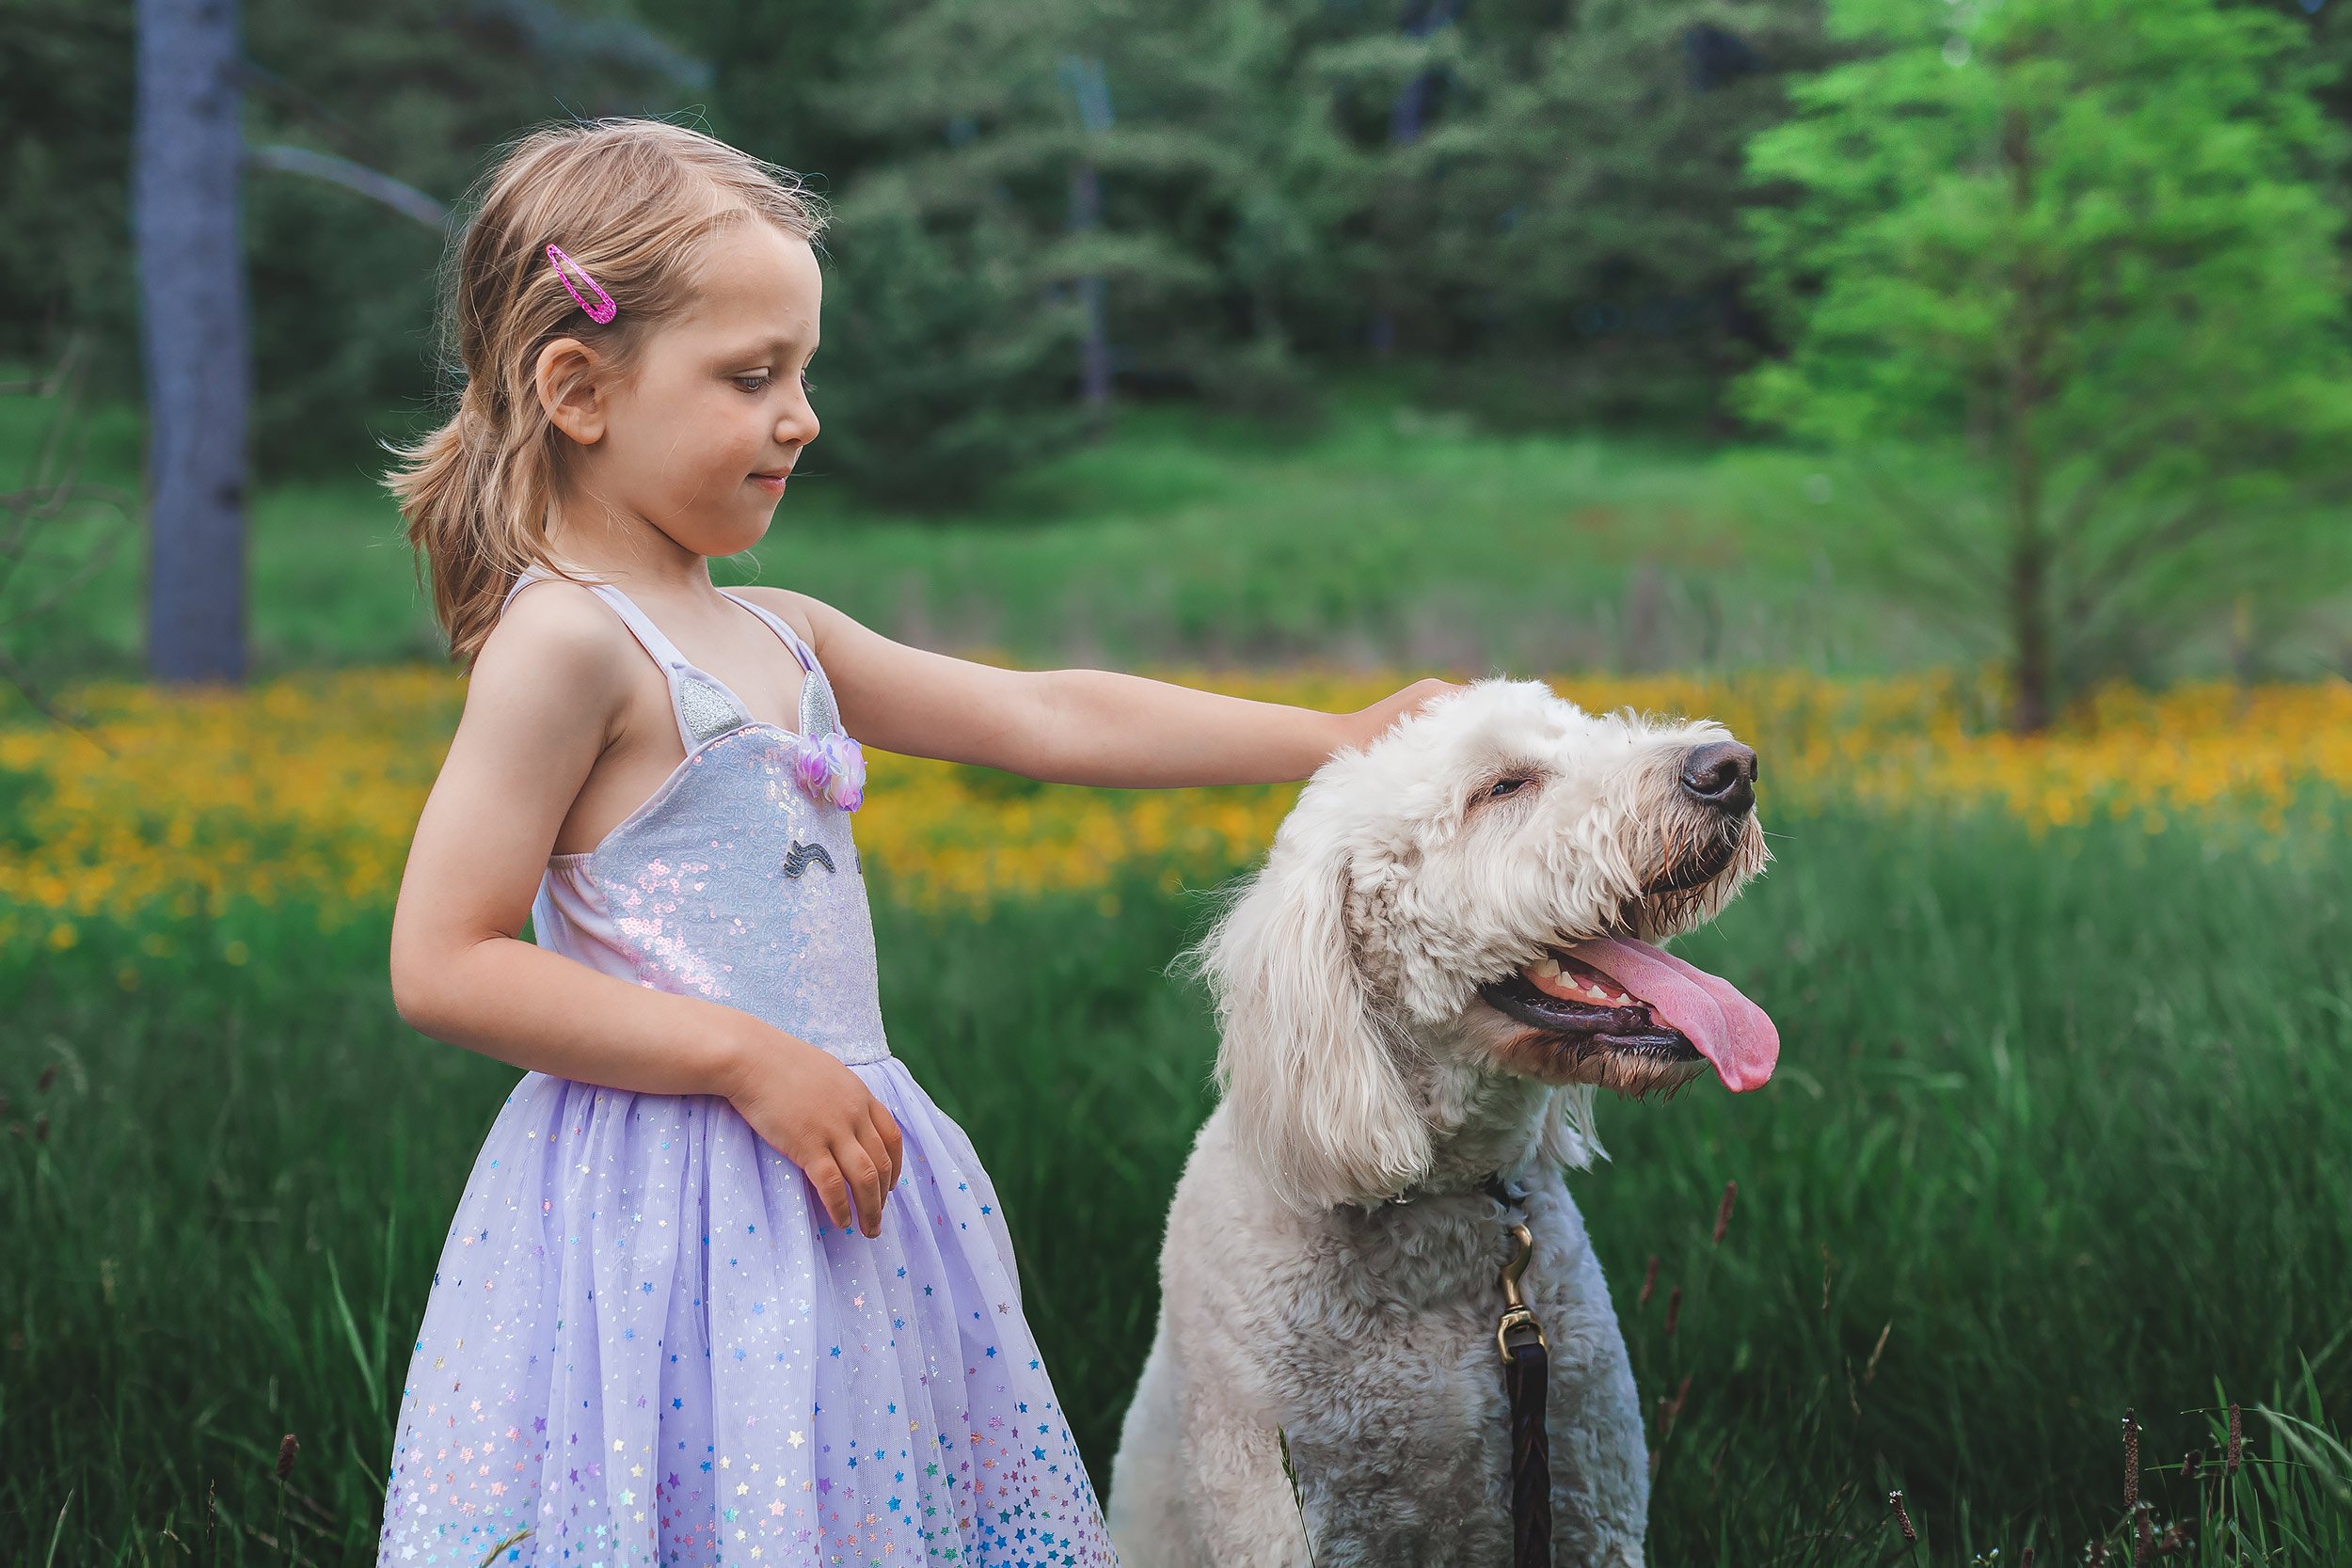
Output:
x=1359 y=1059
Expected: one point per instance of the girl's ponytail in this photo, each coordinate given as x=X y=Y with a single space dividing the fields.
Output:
x=629 y=200
x=475 y=516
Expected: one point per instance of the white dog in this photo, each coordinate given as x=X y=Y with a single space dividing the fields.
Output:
x=1446 y=951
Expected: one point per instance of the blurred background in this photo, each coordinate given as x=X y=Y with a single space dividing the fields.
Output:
x=1953 y=395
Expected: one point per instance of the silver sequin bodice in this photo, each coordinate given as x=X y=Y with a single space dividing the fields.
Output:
x=730 y=881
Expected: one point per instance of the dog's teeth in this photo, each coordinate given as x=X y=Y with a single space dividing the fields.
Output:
x=1548 y=969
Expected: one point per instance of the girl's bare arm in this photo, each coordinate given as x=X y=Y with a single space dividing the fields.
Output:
x=1074 y=726
x=544 y=701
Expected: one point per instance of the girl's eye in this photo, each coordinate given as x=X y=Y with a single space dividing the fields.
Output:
x=806 y=385
x=753 y=383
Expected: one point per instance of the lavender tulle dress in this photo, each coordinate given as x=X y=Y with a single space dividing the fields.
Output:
x=646 y=1343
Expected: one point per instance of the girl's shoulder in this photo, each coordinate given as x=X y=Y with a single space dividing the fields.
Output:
x=560 y=638
x=556 y=617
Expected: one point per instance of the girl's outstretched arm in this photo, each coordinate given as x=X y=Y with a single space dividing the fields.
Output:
x=1074 y=726
x=546 y=697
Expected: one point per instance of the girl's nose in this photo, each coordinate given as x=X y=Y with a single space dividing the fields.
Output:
x=799 y=423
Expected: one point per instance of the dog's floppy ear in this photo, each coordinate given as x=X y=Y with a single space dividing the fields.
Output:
x=1319 y=1105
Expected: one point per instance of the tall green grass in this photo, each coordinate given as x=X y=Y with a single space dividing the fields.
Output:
x=2060 y=1130
x=1391 y=532
x=1388 y=534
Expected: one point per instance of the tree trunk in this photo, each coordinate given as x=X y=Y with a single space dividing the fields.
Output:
x=2030 y=671
x=2033 y=676
x=1094 y=349
x=189 y=154
x=1089 y=87
x=1409 y=116
x=2033 y=672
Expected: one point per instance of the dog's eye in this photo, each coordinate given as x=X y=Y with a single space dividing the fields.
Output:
x=1506 y=786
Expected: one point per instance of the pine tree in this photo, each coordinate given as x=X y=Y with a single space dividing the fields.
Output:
x=1584 y=195
x=942 y=371
x=1082 y=219
x=2087 y=251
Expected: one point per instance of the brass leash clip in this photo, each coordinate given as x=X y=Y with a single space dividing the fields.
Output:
x=1517 y=1317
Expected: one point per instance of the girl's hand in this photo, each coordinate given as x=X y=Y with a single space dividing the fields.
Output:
x=1366 y=725
x=823 y=1119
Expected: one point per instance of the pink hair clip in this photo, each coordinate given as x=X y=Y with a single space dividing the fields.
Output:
x=602 y=310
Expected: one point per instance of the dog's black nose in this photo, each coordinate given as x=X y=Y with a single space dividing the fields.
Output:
x=1721 y=775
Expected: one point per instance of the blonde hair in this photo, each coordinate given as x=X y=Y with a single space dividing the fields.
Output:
x=630 y=200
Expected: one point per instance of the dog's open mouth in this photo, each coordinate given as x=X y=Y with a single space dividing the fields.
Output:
x=1615 y=1010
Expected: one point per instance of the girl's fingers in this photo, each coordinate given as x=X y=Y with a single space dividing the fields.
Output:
x=869 y=1138
x=865 y=1182
x=832 y=1190
x=888 y=1126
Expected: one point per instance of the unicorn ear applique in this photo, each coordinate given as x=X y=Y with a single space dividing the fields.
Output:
x=830 y=766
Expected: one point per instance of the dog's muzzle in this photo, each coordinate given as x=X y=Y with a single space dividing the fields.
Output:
x=1718 y=789
x=1633 y=1030
x=1630 y=1016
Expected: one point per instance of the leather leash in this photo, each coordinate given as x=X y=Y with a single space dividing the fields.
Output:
x=1520 y=1339
x=1525 y=1352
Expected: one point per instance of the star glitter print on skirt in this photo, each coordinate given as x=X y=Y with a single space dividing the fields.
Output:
x=741 y=1384
x=646 y=1344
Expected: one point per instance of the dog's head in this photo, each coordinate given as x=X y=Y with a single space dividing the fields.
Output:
x=1471 y=904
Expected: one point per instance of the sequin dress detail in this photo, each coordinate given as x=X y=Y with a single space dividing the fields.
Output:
x=645 y=1342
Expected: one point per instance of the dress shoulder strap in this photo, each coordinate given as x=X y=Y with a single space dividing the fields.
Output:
x=819 y=713
x=782 y=628
x=702 y=704
x=524 y=579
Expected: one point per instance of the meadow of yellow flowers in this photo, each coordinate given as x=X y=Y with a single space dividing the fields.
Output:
x=304 y=790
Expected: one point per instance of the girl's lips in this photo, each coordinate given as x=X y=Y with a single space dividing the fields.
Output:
x=773 y=482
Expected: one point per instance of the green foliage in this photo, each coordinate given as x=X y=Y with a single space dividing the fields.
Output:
x=1585 y=184
x=938 y=376
x=988 y=126
x=1563 y=202
x=342 y=290
x=2084 y=252
x=65 y=146
x=2054 y=1135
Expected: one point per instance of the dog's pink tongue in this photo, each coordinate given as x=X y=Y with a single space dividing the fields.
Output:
x=1728 y=1029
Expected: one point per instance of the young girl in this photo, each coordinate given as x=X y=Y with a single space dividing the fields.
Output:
x=724 y=1285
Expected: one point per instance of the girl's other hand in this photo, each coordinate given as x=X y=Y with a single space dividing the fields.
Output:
x=1366 y=725
x=822 y=1118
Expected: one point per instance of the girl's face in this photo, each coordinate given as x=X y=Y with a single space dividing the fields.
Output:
x=699 y=440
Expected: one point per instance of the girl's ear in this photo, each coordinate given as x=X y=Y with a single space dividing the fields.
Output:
x=1319 y=1104
x=569 y=381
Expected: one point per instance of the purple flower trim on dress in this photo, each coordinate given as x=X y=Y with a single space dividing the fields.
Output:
x=832 y=766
